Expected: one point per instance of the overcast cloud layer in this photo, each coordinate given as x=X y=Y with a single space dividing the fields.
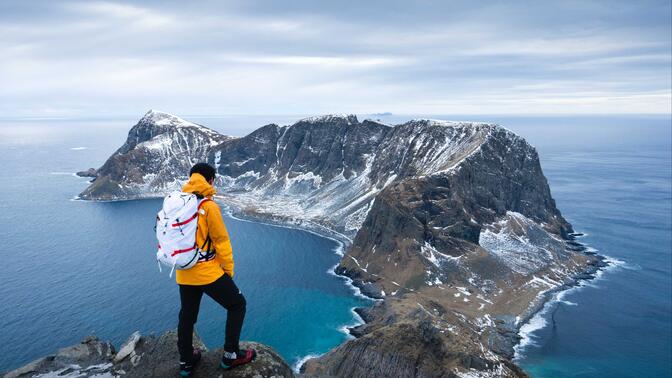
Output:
x=63 y=59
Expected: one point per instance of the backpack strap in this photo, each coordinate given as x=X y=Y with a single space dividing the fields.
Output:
x=204 y=200
x=207 y=244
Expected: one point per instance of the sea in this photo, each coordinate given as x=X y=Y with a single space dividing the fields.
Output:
x=75 y=268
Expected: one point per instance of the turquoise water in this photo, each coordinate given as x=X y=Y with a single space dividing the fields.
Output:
x=76 y=268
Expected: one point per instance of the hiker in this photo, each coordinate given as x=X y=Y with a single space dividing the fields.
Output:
x=212 y=275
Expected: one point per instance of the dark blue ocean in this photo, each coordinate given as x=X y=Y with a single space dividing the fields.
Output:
x=612 y=182
x=75 y=268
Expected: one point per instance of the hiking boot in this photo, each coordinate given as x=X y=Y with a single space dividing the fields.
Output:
x=233 y=359
x=186 y=368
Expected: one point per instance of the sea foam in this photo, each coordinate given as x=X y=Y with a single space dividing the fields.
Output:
x=540 y=319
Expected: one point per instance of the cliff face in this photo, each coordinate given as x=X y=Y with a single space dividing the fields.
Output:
x=421 y=228
x=146 y=356
x=451 y=223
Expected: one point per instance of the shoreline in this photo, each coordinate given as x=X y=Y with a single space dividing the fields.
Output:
x=557 y=297
x=300 y=224
x=554 y=295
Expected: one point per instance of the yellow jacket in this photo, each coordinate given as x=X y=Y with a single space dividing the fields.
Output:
x=210 y=223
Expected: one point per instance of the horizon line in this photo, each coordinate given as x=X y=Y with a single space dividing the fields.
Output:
x=377 y=114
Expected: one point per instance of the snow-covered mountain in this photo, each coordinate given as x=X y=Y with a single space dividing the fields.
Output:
x=327 y=169
x=330 y=169
x=451 y=223
x=158 y=153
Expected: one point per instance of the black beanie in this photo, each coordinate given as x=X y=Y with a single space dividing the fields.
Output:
x=204 y=169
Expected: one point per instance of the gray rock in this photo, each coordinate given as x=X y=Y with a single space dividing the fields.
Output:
x=91 y=172
x=505 y=338
x=128 y=348
x=91 y=353
x=148 y=356
x=159 y=358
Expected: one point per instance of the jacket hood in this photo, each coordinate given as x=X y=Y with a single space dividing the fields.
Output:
x=198 y=185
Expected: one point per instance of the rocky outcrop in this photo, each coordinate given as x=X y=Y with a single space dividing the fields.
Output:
x=451 y=224
x=91 y=357
x=91 y=172
x=147 y=356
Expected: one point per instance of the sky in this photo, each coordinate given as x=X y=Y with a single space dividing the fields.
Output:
x=107 y=58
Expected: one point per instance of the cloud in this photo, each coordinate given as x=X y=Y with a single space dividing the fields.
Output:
x=109 y=57
x=322 y=61
x=124 y=13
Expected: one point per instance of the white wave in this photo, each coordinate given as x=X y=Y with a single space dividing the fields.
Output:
x=344 y=330
x=560 y=298
x=357 y=320
x=614 y=265
x=539 y=321
x=78 y=148
x=338 y=250
x=526 y=332
x=297 y=365
x=357 y=292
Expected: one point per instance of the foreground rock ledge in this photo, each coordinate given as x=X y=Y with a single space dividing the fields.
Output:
x=146 y=356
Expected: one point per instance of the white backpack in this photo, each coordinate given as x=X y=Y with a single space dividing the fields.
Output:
x=176 y=225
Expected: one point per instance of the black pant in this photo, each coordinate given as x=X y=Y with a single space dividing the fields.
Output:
x=225 y=292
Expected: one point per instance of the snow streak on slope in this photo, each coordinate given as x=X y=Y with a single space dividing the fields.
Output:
x=520 y=243
x=159 y=118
